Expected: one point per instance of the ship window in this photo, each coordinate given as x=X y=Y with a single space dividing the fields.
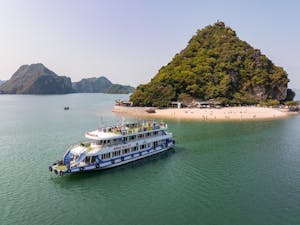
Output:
x=125 y=151
x=105 y=156
x=93 y=160
x=108 y=141
x=149 y=145
x=132 y=137
x=104 y=142
x=133 y=149
x=87 y=159
x=125 y=138
x=116 y=153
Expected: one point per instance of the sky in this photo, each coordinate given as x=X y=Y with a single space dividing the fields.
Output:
x=128 y=41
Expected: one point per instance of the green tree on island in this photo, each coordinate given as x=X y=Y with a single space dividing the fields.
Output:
x=216 y=64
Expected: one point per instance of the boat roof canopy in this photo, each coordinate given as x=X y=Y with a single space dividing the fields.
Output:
x=100 y=135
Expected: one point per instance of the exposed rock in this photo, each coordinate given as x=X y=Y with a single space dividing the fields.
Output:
x=290 y=95
x=36 y=79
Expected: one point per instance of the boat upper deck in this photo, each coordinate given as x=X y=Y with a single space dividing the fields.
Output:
x=125 y=130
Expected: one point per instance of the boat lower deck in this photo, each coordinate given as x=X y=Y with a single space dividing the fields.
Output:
x=63 y=169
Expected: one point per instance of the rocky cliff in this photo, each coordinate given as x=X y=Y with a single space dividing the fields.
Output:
x=36 y=79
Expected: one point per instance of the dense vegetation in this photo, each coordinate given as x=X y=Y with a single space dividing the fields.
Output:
x=216 y=64
x=120 y=89
x=92 y=85
x=101 y=85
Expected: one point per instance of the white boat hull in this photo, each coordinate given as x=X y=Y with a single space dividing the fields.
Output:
x=115 y=146
x=116 y=162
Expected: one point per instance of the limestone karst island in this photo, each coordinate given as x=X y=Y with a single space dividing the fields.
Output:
x=39 y=80
x=216 y=69
x=148 y=112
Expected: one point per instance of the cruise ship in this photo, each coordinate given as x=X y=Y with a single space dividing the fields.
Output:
x=114 y=146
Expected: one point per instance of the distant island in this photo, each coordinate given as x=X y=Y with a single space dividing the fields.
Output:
x=100 y=85
x=38 y=79
x=216 y=66
x=2 y=82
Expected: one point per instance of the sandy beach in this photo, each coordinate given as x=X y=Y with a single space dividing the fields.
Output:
x=209 y=114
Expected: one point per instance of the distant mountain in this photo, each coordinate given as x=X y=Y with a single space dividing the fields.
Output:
x=100 y=85
x=217 y=65
x=120 y=89
x=36 y=79
x=2 y=82
x=92 y=85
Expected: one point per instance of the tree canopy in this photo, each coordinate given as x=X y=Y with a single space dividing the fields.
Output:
x=216 y=64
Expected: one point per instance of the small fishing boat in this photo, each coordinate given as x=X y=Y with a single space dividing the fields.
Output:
x=114 y=146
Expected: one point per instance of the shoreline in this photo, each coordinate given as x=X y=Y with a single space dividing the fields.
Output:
x=240 y=113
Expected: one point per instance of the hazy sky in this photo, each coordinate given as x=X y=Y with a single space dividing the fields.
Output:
x=128 y=41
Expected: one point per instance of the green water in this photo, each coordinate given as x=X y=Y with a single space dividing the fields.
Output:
x=218 y=173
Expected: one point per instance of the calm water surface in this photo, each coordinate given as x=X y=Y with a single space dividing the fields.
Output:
x=219 y=173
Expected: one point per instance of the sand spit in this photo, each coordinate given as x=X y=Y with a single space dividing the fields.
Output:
x=226 y=113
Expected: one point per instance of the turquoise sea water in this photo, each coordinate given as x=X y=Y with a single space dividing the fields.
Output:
x=218 y=173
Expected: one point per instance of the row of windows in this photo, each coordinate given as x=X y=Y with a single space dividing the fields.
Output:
x=105 y=156
x=141 y=136
x=129 y=138
x=124 y=151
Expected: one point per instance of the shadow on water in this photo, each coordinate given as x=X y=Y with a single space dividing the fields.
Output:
x=81 y=176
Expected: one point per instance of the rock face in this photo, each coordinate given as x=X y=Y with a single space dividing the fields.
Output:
x=92 y=85
x=216 y=64
x=101 y=85
x=2 y=82
x=36 y=79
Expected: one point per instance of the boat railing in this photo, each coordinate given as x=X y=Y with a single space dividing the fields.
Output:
x=135 y=129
